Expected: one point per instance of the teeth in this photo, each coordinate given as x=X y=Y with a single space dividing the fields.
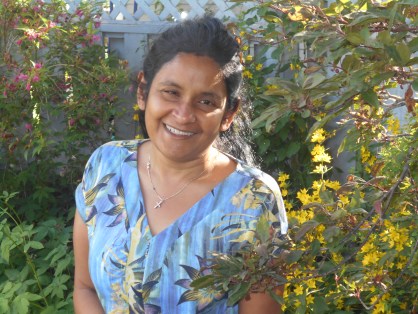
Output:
x=178 y=132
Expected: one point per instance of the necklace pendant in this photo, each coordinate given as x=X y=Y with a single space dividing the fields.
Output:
x=158 y=204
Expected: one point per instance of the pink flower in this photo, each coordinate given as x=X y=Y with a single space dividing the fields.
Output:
x=36 y=8
x=35 y=78
x=21 y=77
x=19 y=42
x=38 y=65
x=79 y=12
x=32 y=34
x=28 y=87
x=71 y=122
x=95 y=38
x=28 y=127
x=5 y=94
x=51 y=24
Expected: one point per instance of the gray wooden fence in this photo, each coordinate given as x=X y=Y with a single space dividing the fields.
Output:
x=128 y=26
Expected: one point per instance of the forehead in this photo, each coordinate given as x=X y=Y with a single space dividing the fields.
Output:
x=192 y=69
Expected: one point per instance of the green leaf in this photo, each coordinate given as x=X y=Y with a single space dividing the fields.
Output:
x=306 y=113
x=403 y=52
x=326 y=196
x=292 y=149
x=385 y=37
x=415 y=85
x=263 y=229
x=326 y=267
x=33 y=244
x=279 y=299
x=371 y=98
x=315 y=247
x=20 y=305
x=320 y=304
x=413 y=45
x=4 y=305
x=331 y=232
x=305 y=228
x=355 y=38
x=31 y=296
x=293 y=256
x=6 y=247
x=238 y=293
x=313 y=80
x=338 y=214
x=203 y=282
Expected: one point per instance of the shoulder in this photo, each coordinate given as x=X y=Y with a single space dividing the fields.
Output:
x=259 y=179
x=113 y=150
x=262 y=191
x=108 y=158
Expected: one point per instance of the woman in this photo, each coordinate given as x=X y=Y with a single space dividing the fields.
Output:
x=150 y=213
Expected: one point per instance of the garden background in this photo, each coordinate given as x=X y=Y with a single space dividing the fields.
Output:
x=335 y=121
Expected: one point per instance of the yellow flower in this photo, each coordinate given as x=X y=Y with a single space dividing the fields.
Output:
x=325 y=157
x=247 y=74
x=311 y=283
x=287 y=205
x=136 y=117
x=335 y=185
x=299 y=290
x=317 y=185
x=284 y=193
x=135 y=107
x=321 y=169
x=304 y=196
x=344 y=199
x=393 y=125
x=283 y=177
x=245 y=48
x=258 y=66
x=318 y=136
x=310 y=299
x=370 y=258
x=249 y=58
x=318 y=150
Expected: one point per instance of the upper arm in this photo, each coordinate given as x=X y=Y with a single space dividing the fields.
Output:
x=260 y=303
x=81 y=254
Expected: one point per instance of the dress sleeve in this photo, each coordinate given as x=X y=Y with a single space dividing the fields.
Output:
x=277 y=206
x=91 y=170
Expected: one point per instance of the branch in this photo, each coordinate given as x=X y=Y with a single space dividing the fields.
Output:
x=391 y=191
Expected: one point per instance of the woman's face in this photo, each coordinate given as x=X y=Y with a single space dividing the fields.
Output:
x=185 y=107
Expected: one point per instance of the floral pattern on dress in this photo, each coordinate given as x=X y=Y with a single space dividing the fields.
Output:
x=136 y=272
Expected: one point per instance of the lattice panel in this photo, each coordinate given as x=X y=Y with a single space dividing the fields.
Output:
x=166 y=10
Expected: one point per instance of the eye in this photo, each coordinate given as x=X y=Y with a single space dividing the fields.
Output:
x=170 y=94
x=207 y=102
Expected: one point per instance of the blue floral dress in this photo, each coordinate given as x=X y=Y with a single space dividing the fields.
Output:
x=135 y=271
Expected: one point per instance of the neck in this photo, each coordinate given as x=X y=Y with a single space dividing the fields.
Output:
x=178 y=170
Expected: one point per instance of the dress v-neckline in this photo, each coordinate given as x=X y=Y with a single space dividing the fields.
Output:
x=190 y=210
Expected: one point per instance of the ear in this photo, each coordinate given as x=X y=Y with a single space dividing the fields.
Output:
x=229 y=117
x=140 y=92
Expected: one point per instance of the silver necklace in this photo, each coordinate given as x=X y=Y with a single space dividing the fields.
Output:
x=162 y=199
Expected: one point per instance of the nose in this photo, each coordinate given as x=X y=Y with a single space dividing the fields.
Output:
x=184 y=112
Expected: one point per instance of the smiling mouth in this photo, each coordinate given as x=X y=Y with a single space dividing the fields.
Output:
x=178 y=132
